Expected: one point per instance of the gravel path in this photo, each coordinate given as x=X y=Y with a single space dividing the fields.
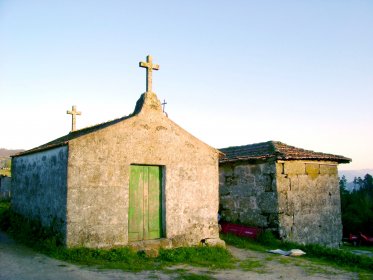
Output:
x=21 y=263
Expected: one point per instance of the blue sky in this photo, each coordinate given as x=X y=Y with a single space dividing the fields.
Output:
x=232 y=72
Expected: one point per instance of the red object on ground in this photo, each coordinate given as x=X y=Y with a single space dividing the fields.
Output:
x=366 y=239
x=240 y=230
x=354 y=239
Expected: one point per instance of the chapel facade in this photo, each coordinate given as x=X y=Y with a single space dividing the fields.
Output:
x=133 y=180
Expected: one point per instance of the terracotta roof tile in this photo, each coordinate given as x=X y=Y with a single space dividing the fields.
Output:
x=276 y=150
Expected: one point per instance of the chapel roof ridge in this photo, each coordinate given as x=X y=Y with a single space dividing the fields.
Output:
x=276 y=150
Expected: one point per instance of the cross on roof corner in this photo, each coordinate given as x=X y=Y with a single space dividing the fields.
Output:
x=149 y=70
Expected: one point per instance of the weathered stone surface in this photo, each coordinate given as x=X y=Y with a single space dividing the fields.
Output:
x=224 y=190
x=299 y=200
x=310 y=209
x=280 y=168
x=328 y=169
x=268 y=202
x=313 y=170
x=250 y=203
x=228 y=202
x=5 y=187
x=254 y=218
x=248 y=198
x=266 y=182
x=189 y=174
x=282 y=183
x=230 y=215
x=39 y=186
x=294 y=168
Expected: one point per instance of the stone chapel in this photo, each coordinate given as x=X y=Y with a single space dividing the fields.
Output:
x=134 y=180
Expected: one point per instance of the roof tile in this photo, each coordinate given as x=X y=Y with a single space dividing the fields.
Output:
x=276 y=150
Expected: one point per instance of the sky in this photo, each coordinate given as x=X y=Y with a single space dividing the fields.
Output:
x=232 y=72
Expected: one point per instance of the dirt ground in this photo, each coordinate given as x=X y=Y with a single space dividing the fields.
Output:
x=19 y=262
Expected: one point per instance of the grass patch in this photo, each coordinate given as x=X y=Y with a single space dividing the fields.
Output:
x=285 y=260
x=49 y=242
x=317 y=253
x=211 y=257
x=350 y=247
x=270 y=258
x=364 y=276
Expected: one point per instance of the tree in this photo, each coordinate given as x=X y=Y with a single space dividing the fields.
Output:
x=357 y=206
x=343 y=184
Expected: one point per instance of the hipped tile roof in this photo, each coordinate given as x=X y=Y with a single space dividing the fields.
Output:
x=276 y=150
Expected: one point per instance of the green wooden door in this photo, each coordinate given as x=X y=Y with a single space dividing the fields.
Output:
x=145 y=203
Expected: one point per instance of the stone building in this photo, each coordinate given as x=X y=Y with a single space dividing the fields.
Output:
x=291 y=191
x=135 y=180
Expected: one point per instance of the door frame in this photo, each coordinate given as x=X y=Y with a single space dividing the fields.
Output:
x=162 y=199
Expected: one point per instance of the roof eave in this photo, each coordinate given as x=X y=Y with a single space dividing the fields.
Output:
x=338 y=160
x=41 y=149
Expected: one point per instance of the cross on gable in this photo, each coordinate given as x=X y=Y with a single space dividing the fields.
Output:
x=73 y=114
x=149 y=70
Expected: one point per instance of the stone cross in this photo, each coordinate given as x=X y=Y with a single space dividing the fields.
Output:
x=73 y=114
x=149 y=70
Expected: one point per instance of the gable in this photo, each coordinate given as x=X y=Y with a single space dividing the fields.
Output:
x=147 y=108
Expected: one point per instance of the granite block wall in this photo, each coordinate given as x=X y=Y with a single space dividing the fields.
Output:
x=248 y=193
x=309 y=202
x=298 y=200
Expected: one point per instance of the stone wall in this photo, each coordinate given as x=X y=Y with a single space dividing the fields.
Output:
x=248 y=193
x=39 y=186
x=309 y=202
x=99 y=172
x=5 y=187
x=300 y=201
